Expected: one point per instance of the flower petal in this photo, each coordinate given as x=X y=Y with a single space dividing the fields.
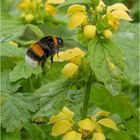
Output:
x=101 y=113
x=121 y=15
x=87 y=124
x=76 y=20
x=108 y=123
x=117 y=6
x=69 y=70
x=98 y=136
x=55 y=1
x=72 y=135
x=76 y=8
x=61 y=127
x=50 y=9
x=69 y=113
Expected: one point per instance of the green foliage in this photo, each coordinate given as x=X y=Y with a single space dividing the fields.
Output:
x=119 y=105
x=128 y=41
x=16 y=110
x=27 y=94
x=102 y=55
x=11 y=51
x=23 y=70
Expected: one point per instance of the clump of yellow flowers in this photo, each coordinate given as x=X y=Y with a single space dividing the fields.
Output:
x=36 y=10
x=74 y=57
x=99 y=20
x=64 y=124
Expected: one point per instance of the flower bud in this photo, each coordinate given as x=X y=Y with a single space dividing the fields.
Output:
x=107 y=34
x=99 y=9
x=29 y=17
x=90 y=31
x=69 y=70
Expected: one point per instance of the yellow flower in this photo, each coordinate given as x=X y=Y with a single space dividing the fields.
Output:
x=87 y=124
x=61 y=127
x=65 y=114
x=23 y=5
x=72 y=55
x=69 y=70
x=76 y=8
x=13 y=43
x=29 y=17
x=113 y=21
x=101 y=113
x=55 y=1
x=33 y=4
x=90 y=31
x=50 y=9
x=107 y=34
x=119 y=11
x=72 y=135
x=111 y=66
x=98 y=136
x=108 y=123
x=115 y=12
x=77 y=15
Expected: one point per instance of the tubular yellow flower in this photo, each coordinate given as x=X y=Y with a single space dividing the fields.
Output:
x=55 y=1
x=65 y=114
x=111 y=66
x=61 y=127
x=90 y=31
x=113 y=21
x=87 y=124
x=72 y=135
x=69 y=70
x=50 y=9
x=119 y=11
x=117 y=6
x=76 y=8
x=29 y=17
x=108 y=123
x=98 y=136
x=107 y=34
x=76 y=20
x=71 y=54
x=69 y=113
x=120 y=14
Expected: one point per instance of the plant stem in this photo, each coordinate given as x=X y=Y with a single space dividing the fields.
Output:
x=87 y=95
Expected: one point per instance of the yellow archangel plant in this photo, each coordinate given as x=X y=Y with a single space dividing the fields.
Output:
x=63 y=124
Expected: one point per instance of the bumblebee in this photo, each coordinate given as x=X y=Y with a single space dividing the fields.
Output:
x=43 y=49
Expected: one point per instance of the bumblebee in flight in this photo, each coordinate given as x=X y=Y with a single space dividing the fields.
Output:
x=41 y=50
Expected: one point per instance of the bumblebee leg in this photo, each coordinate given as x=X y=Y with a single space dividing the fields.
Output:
x=42 y=63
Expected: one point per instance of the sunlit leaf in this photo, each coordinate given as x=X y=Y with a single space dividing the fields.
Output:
x=102 y=55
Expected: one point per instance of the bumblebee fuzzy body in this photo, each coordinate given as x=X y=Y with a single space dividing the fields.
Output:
x=41 y=50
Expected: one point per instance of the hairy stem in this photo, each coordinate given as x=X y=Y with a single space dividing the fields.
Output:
x=87 y=95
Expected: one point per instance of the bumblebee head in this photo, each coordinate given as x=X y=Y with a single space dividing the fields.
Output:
x=60 y=42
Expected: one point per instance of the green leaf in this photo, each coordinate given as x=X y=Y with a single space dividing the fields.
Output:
x=10 y=136
x=11 y=51
x=127 y=38
x=23 y=70
x=106 y=61
x=69 y=2
x=11 y=26
x=36 y=30
x=16 y=110
x=6 y=86
x=52 y=96
x=119 y=105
